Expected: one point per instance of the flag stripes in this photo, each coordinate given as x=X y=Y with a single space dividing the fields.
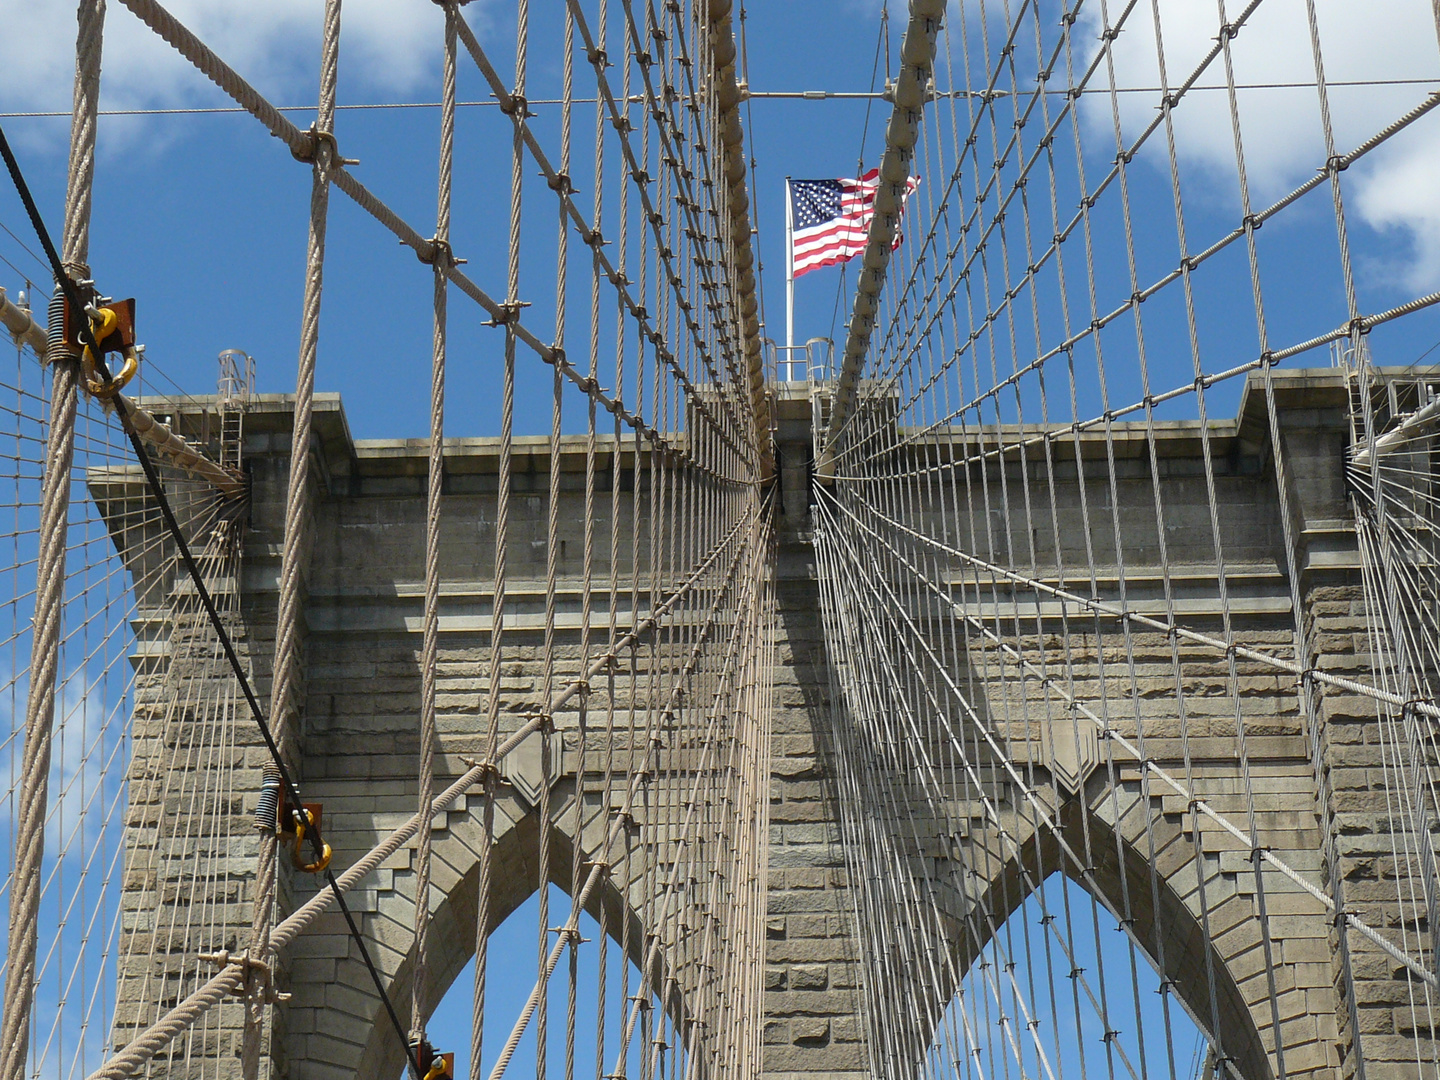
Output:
x=831 y=219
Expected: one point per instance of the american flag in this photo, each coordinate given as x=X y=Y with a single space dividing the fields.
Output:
x=830 y=219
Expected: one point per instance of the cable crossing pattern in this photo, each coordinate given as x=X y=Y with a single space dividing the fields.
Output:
x=1046 y=690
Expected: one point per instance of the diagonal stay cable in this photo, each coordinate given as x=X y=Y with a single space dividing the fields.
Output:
x=135 y=1054
x=559 y=182
x=1105 y=729
x=302 y=146
x=1116 y=611
x=152 y=477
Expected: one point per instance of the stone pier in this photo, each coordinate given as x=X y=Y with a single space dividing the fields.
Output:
x=357 y=745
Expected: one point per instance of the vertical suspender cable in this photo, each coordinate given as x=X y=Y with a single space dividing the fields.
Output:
x=547 y=676
x=50 y=571
x=296 y=552
x=917 y=53
x=430 y=645
x=567 y=94
x=502 y=536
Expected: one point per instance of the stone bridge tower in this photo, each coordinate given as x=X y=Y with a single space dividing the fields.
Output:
x=1199 y=908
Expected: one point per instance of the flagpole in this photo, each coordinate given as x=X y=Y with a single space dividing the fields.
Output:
x=789 y=276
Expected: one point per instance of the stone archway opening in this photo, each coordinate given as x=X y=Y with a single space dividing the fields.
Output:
x=604 y=986
x=1120 y=941
x=515 y=918
x=1059 y=989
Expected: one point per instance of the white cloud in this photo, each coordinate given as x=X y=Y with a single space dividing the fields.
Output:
x=86 y=732
x=1393 y=190
x=387 y=46
x=1404 y=196
x=83 y=758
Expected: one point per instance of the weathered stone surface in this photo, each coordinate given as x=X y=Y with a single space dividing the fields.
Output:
x=356 y=753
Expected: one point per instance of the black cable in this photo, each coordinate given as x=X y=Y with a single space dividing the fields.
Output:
x=291 y=790
x=72 y=297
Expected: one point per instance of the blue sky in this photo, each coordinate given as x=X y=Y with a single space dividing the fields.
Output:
x=203 y=217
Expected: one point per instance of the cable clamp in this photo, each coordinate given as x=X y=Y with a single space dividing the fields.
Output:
x=489 y=770
x=1227 y=32
x=516 y=107
x=440 y=253
x=560 y=183
x=598 y=57
x=316 y=138
x=509 y=312
x=224 y=958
